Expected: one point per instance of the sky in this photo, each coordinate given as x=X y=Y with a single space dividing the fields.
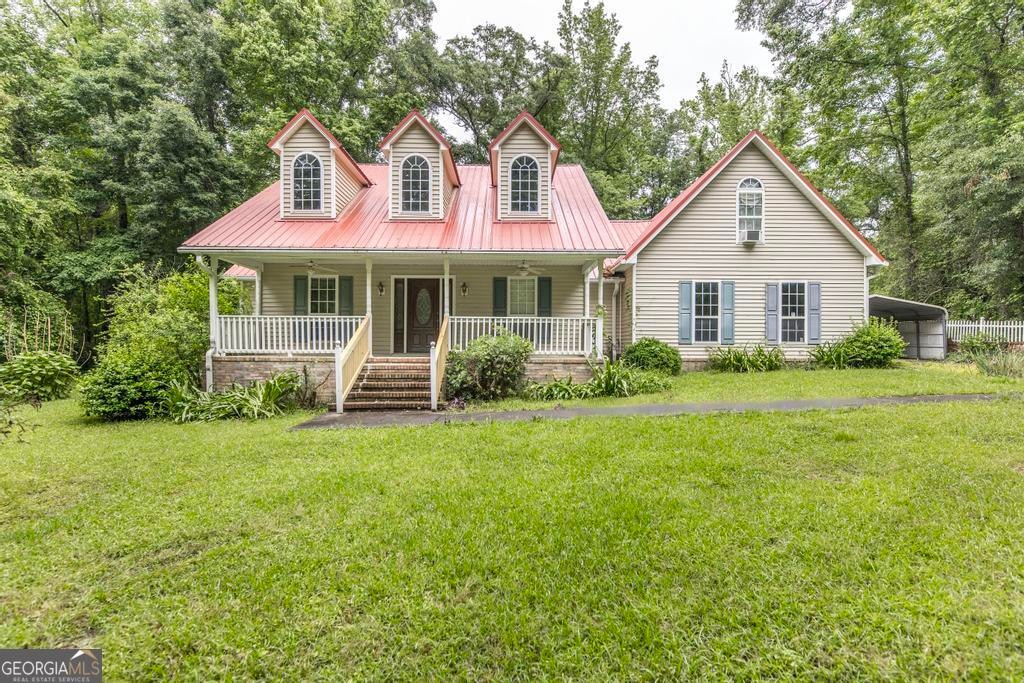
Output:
x=687 y=36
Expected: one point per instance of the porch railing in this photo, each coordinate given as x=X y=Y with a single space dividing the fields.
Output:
x=438 y=361
x=349 y=361
x=285 y=333
x=549 y=336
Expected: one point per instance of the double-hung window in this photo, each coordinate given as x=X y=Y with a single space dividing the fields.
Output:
x=323 y=295
x=794 y=312
x=706 y=312
x=522 y=296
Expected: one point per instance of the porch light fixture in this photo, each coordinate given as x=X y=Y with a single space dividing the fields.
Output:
x=464 y=289
x=380 y=288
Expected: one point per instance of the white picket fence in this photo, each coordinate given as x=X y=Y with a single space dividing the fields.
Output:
x=1008 y=330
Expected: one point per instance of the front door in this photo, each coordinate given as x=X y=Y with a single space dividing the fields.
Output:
x=423 y=313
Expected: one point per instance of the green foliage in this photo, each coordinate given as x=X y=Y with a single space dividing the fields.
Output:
x=1003 y=363
x=167 y=317
x=834 y=355
x=652 y=354
x=875 y=344
x=980 y=344
x=609 y=380
x=490 y=367
x=757 y=359
x=41 y=375
x=259 y=400
x=128 y=386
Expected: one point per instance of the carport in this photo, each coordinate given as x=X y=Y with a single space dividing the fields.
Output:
x=923 y=326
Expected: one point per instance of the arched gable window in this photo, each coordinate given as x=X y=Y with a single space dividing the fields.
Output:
x=750 y=210
x=307 y=183
x=524 y=185
x=415 y=185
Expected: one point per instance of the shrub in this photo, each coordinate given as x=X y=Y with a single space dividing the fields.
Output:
x=875 y=344
x=652 y=354
x=158 y=333
x=43 y=375
x=758 y=359
x=980 y=344
x=126 y=386
x=834 y=355
x=558 y=390
x=490 y=367
x=610 y=379
x=1001 y=364
x=258 y=400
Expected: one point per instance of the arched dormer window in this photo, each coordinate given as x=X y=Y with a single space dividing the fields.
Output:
x=750 y=210
x=524 y=185
x=415 y=185
x=307 y=183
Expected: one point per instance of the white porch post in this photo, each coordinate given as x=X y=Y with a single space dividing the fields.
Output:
x=599 y=333
x=211 y=271
x=258 y=304
x=586 y=291
x=369 y=286
x=444 y=290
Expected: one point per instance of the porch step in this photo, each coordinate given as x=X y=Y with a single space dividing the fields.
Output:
x=392 y=383
x=386 y=405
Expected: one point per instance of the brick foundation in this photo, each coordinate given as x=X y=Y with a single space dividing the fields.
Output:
x=544 y=369
x=228 y=370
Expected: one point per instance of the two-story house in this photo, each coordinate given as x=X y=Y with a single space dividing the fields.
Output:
x=379 y=268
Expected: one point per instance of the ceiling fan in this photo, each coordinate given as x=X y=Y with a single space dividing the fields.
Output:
x=314 y=267
x=525 y=269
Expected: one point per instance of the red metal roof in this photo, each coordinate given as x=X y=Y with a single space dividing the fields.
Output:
x=578 y=222
x=239 y=272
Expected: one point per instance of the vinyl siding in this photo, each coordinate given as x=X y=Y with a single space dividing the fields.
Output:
x=700 y=244
x=449 y=190
x=524 y=140
x=345 y=188
x=415 y=140
x=278 y=291
x=307 y=139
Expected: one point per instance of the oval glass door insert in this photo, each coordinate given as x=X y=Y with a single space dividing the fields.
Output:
x=423 y=307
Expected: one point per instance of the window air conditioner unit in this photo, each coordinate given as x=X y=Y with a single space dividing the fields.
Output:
x=751 y=236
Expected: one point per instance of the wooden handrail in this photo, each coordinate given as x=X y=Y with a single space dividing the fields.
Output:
x=438 y=361
x=349 y=361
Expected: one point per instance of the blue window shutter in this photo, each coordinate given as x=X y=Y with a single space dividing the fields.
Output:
x=499 y=301
x=301 y=300
x=813 y=312
x=686 y=312
x=544 y=297
x=728 y=312
x=346 y=306
x=771 y=313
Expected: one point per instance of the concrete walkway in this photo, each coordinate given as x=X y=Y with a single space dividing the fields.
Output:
x=423 y=417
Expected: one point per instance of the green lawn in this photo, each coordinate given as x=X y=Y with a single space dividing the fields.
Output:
x=908 y=378
x=881 y=542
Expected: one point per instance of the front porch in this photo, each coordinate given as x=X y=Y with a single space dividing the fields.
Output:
x=336 y=316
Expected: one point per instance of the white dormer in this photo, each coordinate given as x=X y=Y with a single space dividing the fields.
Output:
x=523 y=159
x=318 y=176
x=422 y=174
